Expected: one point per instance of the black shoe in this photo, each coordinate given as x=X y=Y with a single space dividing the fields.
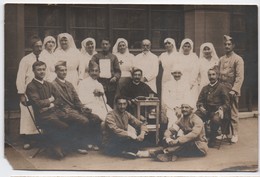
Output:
x=129 y=155
x=57 y=153
x=211 y=144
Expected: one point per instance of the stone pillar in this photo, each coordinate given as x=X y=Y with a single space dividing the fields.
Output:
x=14 y=51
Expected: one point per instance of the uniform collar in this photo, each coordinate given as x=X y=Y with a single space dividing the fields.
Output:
x=41 y=82
x=212 y=85
x=63 y=81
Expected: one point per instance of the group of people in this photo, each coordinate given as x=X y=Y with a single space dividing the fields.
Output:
x=84 y=99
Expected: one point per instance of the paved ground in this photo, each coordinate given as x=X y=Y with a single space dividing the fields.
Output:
x=242 y=156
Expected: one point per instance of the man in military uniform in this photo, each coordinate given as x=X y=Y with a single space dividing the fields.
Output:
x=192 y=143
x=213 y=105
x=231 y=67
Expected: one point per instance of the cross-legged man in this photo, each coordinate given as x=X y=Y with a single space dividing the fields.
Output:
x=193 y=142
x=117 y=140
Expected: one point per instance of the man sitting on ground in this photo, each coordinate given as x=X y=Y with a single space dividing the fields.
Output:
x=193 y=142
x=214 y=105
x=116 y=138
x=80 y=116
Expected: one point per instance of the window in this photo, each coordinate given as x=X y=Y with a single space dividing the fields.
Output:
x=238 y=29
x=88 y=21
x=43 y=20
x=166 y=21
x=129 y=22
x=132 y=22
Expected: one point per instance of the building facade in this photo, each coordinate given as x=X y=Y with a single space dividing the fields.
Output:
x=134 y=23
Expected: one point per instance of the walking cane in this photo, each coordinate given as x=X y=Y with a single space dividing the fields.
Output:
x=104 y=102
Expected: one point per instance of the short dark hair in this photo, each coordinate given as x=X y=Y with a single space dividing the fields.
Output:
x=34 y=39
x=37 y=63
x=105 y=39
x=119 y=97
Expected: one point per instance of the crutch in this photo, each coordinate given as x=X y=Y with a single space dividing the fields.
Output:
x=104 y=102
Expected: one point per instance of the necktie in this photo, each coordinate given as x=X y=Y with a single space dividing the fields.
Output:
x=37 y=57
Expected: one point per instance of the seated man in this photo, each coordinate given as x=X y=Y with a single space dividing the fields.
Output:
x=193 y=142
x=91 y=92
x=116 y=138
x=45 y=101
x=136 y=87
x=174 y=93
x=213 y=105
x=84 y=121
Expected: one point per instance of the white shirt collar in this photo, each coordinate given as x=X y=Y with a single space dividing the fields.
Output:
x=146 y=53
x=136 y=83
x=39 y=81
x=63 y=81
x=213 y=84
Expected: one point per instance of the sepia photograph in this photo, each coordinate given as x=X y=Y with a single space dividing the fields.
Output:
x=131 y=87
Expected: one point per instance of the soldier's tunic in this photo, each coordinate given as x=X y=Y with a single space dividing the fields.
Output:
x=232 y=75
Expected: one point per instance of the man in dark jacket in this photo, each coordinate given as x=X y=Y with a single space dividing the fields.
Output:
x=214 y=105
x=45 y=101
x=136 y=87
x=85 y=123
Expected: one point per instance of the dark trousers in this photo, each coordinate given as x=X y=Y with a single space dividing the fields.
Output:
x=120 y=144
x=85 y=127
x=110 y=90
x=188 y=149
x=93 y=134
x=213 y=126
x=55 y=129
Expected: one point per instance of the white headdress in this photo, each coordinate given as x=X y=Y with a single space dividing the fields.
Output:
x=184 y=41
x=84 y=42
x=172 y=41
x=211 y=47
x=70 y=39
x=47 y=39
x=189 y=101
x=115 y=48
